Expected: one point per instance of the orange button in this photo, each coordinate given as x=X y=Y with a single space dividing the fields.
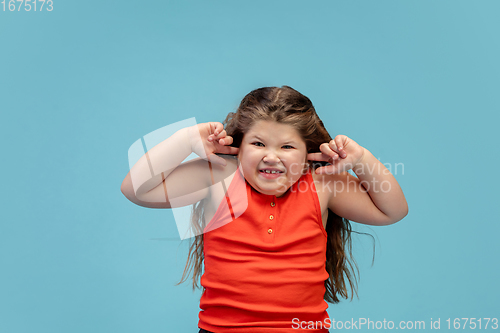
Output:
x=271 y=217
x=269 y=231
x=273 y=204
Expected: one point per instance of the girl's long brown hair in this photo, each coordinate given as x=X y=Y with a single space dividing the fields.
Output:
x=288 y=106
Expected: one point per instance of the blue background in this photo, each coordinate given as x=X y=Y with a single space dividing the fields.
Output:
x=415 y=82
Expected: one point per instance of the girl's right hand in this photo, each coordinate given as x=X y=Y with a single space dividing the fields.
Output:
x=214 y=140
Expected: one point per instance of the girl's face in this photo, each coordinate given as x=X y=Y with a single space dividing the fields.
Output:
x=273 y=157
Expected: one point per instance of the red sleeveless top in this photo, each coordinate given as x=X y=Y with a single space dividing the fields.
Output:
x=265 y=262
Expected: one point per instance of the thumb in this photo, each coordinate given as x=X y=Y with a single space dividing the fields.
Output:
x=212 y=158
x=326 y=170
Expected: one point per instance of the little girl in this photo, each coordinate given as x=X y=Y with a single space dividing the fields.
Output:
x=273 y=200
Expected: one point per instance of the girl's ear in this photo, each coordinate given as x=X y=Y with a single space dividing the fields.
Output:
x=239 y=154
x=305 y=166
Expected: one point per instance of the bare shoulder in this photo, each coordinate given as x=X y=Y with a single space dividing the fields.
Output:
x=221 y=172
x=331 y=185
x=341 y=193
x=216 y=192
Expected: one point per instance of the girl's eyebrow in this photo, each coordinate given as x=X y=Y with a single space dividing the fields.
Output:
x=255 y=136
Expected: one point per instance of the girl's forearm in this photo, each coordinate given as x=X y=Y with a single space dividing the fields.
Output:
x=156 y=164
x=382 y=187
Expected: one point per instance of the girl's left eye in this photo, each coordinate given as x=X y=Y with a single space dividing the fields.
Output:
x=288 y=147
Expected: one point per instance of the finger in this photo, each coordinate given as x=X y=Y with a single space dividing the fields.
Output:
x=220 y=134
x=333 y=146
x=318 y=157
x=217 y=131
x=325 y=170
x=327 y=150
x=339 y=142
x=227 y=141
x=216 y=159
x=229 y=150
x=219 y=128
x=215 y=128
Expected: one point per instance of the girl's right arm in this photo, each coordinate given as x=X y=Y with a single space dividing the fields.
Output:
x=159 y=177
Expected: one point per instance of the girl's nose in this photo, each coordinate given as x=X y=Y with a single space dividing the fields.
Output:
x=271 y=158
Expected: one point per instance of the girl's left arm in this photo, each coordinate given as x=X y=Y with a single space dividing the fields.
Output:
x=374 y=197
x=382 y=187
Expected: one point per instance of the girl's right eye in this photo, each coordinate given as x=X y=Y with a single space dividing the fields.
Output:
x=258 y=144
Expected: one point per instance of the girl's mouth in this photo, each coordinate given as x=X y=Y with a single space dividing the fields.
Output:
x=270 y=173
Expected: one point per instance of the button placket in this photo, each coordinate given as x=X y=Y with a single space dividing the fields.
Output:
x=271 y=218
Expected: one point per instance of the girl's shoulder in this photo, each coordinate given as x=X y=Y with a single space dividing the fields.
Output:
x=331 y=187
x=221 y=172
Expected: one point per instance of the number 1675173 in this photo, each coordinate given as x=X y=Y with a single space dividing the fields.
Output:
x=27 y=5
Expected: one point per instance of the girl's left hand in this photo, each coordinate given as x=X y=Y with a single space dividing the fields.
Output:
x=342 y=153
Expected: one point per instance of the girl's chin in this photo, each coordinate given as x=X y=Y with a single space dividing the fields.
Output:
x=277 y=190
x=273 y=193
